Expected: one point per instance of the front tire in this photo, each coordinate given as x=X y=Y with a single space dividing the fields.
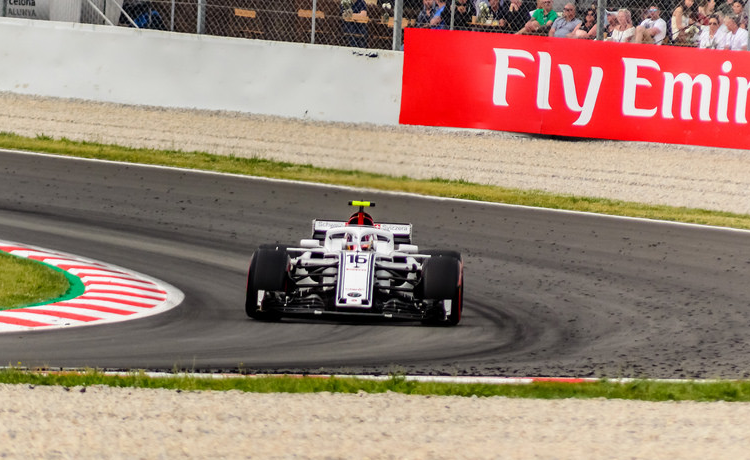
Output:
x=267 y=273
x=442 y=280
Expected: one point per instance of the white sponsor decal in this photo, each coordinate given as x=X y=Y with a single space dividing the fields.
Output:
x=503 y=70
x=688 y=85
x=633 y=79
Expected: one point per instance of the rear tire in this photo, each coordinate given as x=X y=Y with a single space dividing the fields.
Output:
x=442 y=279
x=267 y=273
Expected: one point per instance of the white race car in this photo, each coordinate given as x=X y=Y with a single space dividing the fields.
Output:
x=356 y=267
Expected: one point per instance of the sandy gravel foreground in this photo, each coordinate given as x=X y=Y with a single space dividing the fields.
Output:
x=98 y=422
x=101 y=422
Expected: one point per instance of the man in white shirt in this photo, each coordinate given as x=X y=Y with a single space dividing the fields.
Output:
x=653 y=29
x=736 y=38
x=713 y=36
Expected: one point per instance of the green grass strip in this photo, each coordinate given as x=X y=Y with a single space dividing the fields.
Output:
x=26 y=282
x=645 y=390
x=75 y=287
x=308 y=173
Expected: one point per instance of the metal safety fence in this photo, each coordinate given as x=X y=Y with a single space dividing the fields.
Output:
x=379 y=24
x=329 y=22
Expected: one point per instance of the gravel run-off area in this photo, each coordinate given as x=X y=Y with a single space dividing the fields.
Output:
x=100 y=422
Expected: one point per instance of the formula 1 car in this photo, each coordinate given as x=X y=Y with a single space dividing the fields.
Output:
x=356 y=267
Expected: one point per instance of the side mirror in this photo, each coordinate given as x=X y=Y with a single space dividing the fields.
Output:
x=408 y=248
x=309 y=243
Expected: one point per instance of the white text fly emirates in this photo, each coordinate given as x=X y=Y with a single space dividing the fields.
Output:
x=632 y=80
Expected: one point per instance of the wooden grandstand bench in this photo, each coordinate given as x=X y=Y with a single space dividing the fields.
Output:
x=250 y=26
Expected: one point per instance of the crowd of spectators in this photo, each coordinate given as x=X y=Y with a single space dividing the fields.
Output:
x=696 y=23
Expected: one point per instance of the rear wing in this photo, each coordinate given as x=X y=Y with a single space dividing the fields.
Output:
x=401 y=232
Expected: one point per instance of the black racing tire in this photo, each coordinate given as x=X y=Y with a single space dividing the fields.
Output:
x=270 y=269
x=268 y=273
x=442 y=279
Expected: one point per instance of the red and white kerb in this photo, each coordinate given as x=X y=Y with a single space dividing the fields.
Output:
x=110 y=294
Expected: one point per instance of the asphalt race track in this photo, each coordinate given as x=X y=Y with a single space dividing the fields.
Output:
x=547 y=293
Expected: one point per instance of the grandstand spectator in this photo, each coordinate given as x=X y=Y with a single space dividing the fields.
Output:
x=685 y=14
x=712 y=36
x=738 y=9
x=682 y=17
x=736 y=37
x=143 y=14
x=541 y=19
x=496 y=12
x=426 y=13
x=611 y=23
x=356 y=28
x=436 y=22
x=461 y=17
x=705 y=10
x=653 y=29
x=624 y=30
x=725 y=8
x=587 y=27
x=514 y=16
x=564 y=25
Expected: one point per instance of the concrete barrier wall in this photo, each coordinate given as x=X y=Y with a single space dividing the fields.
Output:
x=146 y=67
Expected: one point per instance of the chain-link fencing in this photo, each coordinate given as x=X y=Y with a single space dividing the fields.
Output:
x=664 y=22
x=370 y=23
x=358 y=23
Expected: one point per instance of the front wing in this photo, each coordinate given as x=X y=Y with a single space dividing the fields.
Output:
x=353 y=283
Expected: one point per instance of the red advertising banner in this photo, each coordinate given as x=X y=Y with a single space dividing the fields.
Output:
x=576 y=88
